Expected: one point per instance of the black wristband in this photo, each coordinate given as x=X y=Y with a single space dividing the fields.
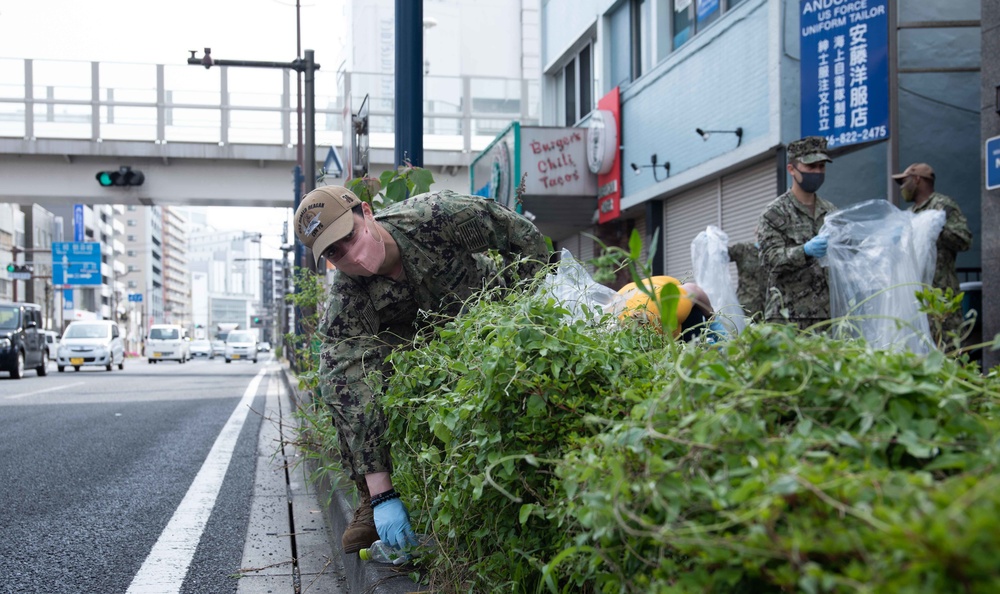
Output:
x=383 y=497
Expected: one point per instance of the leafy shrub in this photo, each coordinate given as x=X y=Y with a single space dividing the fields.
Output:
x=553 y=455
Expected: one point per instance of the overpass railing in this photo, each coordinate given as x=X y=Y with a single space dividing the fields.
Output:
x=162 y=103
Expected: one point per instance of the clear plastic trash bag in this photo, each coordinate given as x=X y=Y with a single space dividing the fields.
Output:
x=574 y=288
x=710 y=259
x=877 y=259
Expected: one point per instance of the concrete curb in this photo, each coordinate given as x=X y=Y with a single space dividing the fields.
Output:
x=338 y=507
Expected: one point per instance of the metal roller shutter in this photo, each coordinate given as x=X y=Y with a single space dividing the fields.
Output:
x=581 y=246
x=640 y=226
x=586 y=248
x=571 y=243
x=744 y=196
x=684 y=217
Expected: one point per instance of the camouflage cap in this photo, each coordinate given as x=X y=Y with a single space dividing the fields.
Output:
x=808 y=150
x=917 y=169
x=324 y=217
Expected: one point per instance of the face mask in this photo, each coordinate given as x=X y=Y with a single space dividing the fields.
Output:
x=363 y=255
x=908 y=192
x=810 y=181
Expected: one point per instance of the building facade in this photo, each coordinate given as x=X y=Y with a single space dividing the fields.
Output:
x=728 y=66
x=141 y=283
x=226 y=270
x=176 y=271
x=472 y=89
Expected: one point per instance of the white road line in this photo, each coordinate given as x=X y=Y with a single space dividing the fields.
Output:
x=166 y=566
x=16 y=396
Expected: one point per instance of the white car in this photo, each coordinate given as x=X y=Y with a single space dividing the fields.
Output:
x=52 y=344
x=241 y=345
x=201 y=348
x=91 y=343
x=166 y=343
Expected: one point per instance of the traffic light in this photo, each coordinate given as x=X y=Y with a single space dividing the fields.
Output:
x=256 y=320
x=20 y=268
x=125 y=176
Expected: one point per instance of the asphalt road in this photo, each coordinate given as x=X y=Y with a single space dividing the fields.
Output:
x=94 y=465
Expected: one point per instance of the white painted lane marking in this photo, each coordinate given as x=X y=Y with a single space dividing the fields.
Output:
x=16 y=396
x=164 y=569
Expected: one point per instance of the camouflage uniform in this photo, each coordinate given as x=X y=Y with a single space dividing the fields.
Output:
x=443 y=238
x=751 y=287
x=955 y=237
x=795 y=281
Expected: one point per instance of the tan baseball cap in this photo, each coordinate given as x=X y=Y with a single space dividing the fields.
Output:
x=917 y=169
x=324 y=217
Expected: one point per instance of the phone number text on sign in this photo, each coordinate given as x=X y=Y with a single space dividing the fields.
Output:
x=856 y=136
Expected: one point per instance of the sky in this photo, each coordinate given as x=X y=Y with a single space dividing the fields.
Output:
x=162 y=32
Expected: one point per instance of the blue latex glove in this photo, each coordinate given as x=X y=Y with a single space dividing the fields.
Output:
x=816 y=247
x=393 y=524
x=716 y=332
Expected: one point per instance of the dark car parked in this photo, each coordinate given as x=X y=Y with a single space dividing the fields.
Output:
x=22 y=340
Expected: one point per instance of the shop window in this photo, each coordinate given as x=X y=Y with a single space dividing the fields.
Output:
x=575 y=83
x=642 y=58
x=689 y=17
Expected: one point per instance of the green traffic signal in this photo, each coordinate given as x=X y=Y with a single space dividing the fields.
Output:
x=11 y=268
x=125 y=176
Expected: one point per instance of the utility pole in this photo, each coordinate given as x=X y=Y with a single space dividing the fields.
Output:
x=409 y=82
x=304 y=66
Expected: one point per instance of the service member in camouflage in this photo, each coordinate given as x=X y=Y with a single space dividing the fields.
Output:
x=414 y=261
x=917 y=186
x=750 y=290
x=790 y=246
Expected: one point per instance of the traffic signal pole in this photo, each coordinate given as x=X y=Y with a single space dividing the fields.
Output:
x=14 y=251
x=307 y=182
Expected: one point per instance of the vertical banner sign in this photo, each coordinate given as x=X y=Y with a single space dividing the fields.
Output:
x=609 y=184
x=845 y=70
x=78 y=233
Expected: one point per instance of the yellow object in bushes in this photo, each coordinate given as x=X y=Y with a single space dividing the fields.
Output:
x=639 y=306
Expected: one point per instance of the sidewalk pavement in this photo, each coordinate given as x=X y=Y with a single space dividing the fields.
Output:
x=293 y=540
x=287 y=550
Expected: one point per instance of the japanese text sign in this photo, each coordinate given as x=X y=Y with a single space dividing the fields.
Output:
x=845 y=70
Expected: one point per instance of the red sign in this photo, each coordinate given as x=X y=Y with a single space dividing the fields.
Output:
x=609 y=185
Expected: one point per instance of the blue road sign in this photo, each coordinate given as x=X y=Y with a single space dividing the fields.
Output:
x=845 y=70
x=76 y=263
x=78 y=228
x=136 y=297
x=993 y=163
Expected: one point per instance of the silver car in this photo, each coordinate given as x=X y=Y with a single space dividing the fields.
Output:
x=241 y=345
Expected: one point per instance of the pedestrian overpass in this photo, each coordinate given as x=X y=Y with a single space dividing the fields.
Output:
x=224 y=136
